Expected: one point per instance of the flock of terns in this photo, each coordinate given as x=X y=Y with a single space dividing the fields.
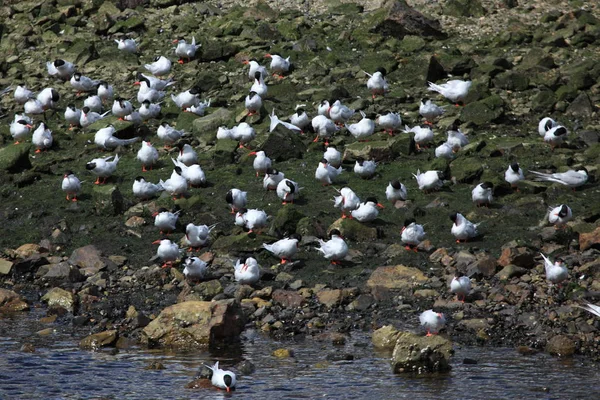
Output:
x=330 y=119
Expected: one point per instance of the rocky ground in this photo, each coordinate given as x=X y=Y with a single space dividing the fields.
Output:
x=92 y=263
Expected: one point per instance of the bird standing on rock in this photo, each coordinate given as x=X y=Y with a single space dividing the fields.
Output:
x=433 y=322
x=454 y=90
x=412 y=234
x=246 y=271
x=461 y=286
x=377 y=83
x=71 y=185
x=167 y=251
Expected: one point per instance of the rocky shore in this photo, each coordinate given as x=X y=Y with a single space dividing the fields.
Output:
x=92 y=265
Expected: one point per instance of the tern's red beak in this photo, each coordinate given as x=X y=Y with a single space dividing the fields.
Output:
x=29 y=126
x=252 y=154
x=268 y=55
x=175 y=41
x=156 y=242
x=246 y=62
x=380 y=206
x=137 y=83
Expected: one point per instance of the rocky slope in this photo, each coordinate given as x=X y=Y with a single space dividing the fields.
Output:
x=526 y=62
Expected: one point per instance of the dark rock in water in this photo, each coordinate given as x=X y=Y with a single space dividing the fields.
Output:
x=246 y=367
x=195 y=323
x=464 y=8
x=283 y=144
x=421 y=354
x=561 y=345
x=469 y=361
x=15 y=158
x=385 y=337
x=398 y=19
x=28 y=348
x=339 y=357
x=155 y=366
x=99 y=340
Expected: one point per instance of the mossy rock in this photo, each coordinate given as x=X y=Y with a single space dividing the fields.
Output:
x=81 y=51
x=383 y=58
x=15 y=158
x=109 y=198
x=566 y=93
x=185 y=121
x=283 y=144
x=466 y=170
x=411 y=43
x=354 y=230
x=378 y=149
x=464 y=8
x=537 y=57
x=484 y=111
x=456 y=63
x=285 y=221
x=131 y=24
x=543 y=101
x=224 y=151
x=207 y=126
x=242 y=242
x=215 y=50
x=512 y=80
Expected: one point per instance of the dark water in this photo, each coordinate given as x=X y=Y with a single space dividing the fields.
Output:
x=59 y=370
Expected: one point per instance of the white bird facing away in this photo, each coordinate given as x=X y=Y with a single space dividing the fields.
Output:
x=429 y=180
x=454 y=90
x=456 y=137
x=185 y=50
x=149 y=110
x=166 y=220
x=462 y=228
x=146 y=92
x=225 y=133
x=72 y=115
x=199 y=109
x=252 y=219
x=253 y=103
x=22 y=94
x=324 y=128
x=377 y=83
x=592 y=308
x=446 y=150
x=254 y=68
x=396 y=191
x=461 y=286
x=93 y=102
x=197 y=236
x=365 y=168
x=161 y=66
x=261 y=163
x=279 y=65
x=347 y=201
x=389 y=121
x=571 y=178
x=333 y=157
x=187 y=99
x=176 y=184
x=412 y=234
x=88 y=117
x=555 y=136
x=33 y=106
x=20 y=129
x=194 y=175
x=147 y=155
x=153 y=82
x=187 y=155
x=105 y=91
x=545 y=125
x=195 y=268
x=288 y=190
x=243 y=133
x=363 y=128
x=300 y=119
x=134 y=118
x=326 y=173
x=335 y=249
x=272 y=179
x=430 y=111
x=422 y=136
x=323 y=108
x=103 y=168
x=121 y=108
x=246 y=272
x=556 y=272
x=367 y=211
x=285 y=248
x=145 y=190
x=259 y=86
x=276 y=121
x=167 y=251
x=127 y=45
x=71 y=185
x=482 y=194
x=48 y=98
x=42 y=138
x=236 y=199
x=432 y=322
x=82 y=83
x=104 y=139
x=559 y=216
x=168 y=134
x=339 y=113
x=60 y=69
x=513 y=175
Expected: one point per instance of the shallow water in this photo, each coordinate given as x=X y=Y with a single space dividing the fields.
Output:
x=59 y=370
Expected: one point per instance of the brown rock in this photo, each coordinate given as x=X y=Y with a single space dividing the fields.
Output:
x=5 y=266
x=135 y=222
x=330 y=298
x=519 y=256
x=561 y=345
x=27 y=250
x=88 y=258
x=484 y=266
x=398 y=277
x=421 y=354
x=287 y=298
x=385 y=337
x=590 y=239
x=402 y=20
x=7 y=296
x=195 y=323
x=283 y=353
x=63 y=271
x=98 y=340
